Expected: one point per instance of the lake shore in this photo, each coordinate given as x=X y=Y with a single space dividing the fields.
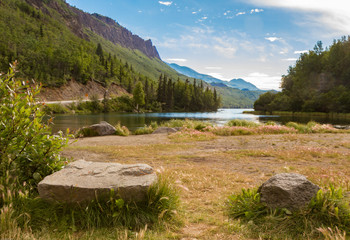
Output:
x=207 y=172
x=302 y=114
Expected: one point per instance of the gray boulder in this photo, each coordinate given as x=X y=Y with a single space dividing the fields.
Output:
x=83 y=181
x=101 y=129
x=287 y=190
x=164 y=130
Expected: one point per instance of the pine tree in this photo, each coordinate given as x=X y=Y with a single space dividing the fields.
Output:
x=139 y=95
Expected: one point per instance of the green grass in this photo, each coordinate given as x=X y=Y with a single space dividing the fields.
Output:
x=187 y=123
x=159 y=211
x=329 y=209
x=241 y=123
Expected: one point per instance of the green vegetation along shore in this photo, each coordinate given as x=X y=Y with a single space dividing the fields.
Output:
x=319 y=82
x=331 y=115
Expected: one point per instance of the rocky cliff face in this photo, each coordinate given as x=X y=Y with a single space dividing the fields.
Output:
x=79 y=22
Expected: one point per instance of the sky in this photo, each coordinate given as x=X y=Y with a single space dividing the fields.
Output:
x=256 y=40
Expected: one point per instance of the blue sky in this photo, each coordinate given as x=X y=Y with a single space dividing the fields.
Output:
x=251 y=39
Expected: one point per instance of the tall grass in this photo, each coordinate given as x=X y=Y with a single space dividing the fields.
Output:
x=327 y=210
x=241 y=123
x=187 y=123
x=159 y=210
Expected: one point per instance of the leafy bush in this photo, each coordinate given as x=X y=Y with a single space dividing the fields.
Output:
x=144 y=130
x=328 y=209
x=28 y=151
x=56 y=108
x=121 y=130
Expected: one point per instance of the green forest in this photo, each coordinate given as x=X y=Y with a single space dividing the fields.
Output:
x=319 y=82
x=49 y=52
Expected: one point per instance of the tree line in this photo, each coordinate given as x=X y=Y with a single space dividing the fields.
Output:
x=319 y=82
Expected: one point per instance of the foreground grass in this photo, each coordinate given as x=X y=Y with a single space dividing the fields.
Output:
x=207 y=172
x=117 y=219
x=328 y=210
x=207 y=168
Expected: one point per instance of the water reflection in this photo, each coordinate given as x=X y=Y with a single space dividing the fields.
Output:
x=134 y=120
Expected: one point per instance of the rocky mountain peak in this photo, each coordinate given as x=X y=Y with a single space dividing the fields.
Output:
x=80 y=21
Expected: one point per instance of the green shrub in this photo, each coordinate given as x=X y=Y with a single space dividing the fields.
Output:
x=241 y=123
x=86 y=132
x=28 y=151
x=144 y=130
x=301 y=128
x=55 y=108
x=121 y=130
x=328 y=209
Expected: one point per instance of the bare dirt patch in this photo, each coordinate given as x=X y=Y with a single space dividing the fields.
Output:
x=74 y=90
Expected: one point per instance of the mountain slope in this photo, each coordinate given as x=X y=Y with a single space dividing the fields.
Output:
x=234 y=83
x=54 y=42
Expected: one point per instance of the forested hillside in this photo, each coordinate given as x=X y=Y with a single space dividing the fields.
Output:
x=319 y=82
x=54 y=42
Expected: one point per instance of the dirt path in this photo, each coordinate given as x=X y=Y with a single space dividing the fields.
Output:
x=208 y=172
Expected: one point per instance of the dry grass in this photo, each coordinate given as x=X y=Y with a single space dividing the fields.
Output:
x=207 y=172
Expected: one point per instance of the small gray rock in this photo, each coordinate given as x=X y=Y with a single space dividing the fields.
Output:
x=164 y=130
x=287 y=190
x=102 y=129
x=83 y=181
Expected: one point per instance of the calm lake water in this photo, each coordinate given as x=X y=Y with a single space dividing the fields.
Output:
x=134 y=120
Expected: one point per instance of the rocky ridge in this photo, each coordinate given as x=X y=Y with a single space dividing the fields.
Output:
x=80 y=22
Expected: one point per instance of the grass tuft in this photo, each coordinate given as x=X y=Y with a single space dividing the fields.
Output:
x=121 y=130
x=241 y=123
x=327 y=213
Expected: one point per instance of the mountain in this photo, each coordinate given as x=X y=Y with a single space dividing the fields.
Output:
x=234 y=83
x=241 y=84
x=55 y=42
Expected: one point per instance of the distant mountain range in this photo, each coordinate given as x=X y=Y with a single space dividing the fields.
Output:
x=238 y=83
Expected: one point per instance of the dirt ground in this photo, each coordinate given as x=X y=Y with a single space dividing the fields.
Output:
x=207 y=172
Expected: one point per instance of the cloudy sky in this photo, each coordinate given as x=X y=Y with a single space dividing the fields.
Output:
x=251 y=39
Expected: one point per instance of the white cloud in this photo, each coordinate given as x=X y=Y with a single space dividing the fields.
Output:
x=273 y=39
x=300 y=52
x=240 y=13
x=290 y=59
x=204 y=18
x=176 y=60
x=194 y=12
x=225 y=46
x=334 y=15
x=256 y=10
x=213 y=68
x=218 y=76
x=165 y=3
x=264 y=81
x=257 y=74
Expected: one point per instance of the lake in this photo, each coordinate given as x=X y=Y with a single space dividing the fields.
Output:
x=136 y=120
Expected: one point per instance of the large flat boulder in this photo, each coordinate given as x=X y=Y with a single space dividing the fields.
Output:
x=287 y=190
x=83 y=181
x=100 y=129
